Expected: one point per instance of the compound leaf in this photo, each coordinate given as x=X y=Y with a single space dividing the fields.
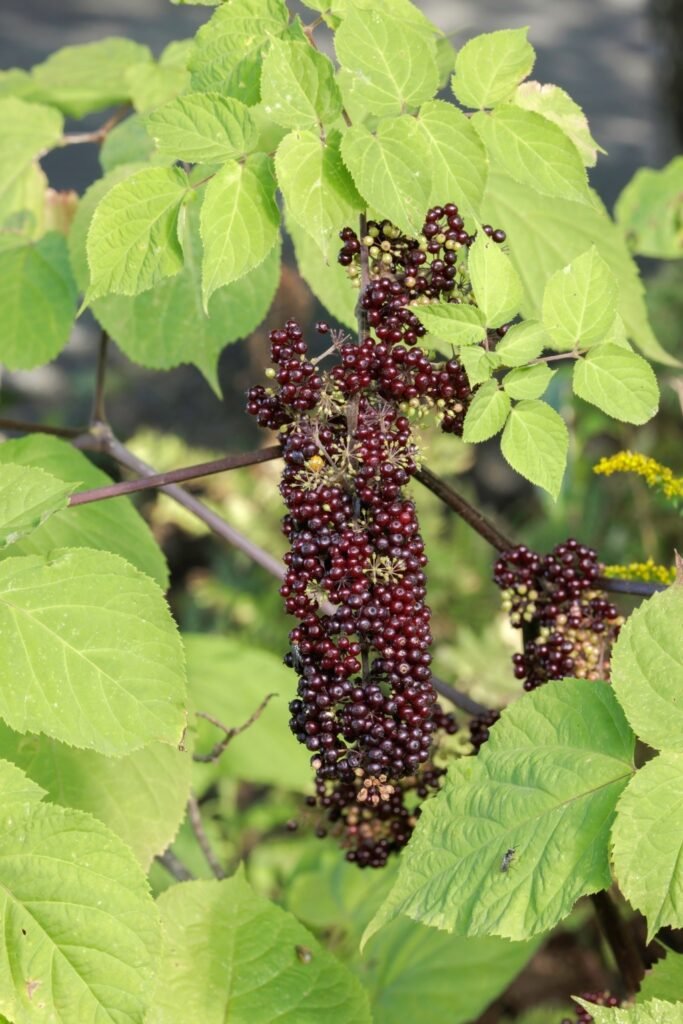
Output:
x=647 y=669
x=239 y=222
x=488 y=67
x=230 y=955
x=487 y=413
x=528 y=381
x=452 y=323
x=112 y=525
x=518 y=834
x=203 y=128
x=392 y=63
x=456 y=155
x=522 y=343
x=647 y=842
x=497 y=288
x=133 y=236
x=535 y=443
x=90 y=653
x=298 y=89
x=28 y=496
x=619 y=382
x=580 y=302
x=38 y=300
x=389 y=170
x=80 y=929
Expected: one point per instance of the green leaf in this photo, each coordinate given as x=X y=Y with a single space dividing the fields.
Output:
x=16 y=788
x=239 y=222
x=141 y=797
x=497 y=288
x=647 y=842
x=298 y=89
x=451 y=323
x=28 y=130
x=38 y=300
x=479 y=364
x=229 y=679
x=166 y=325
x=546 y=233
x=487 y=413
x=535 y=443
x=203 y=128
x=554 y=103
x=580 y=302
x=319 y=192
x=329 y=282
x=80 y=929
x=22 y=206
x=389 y=170
x=650 y=211
x=14 y=82
x=89 y=77
x=151 y=85
x=488 y=67
x=231 y=956
x=653 y=1012
x=28 y=496
x=112 y=525
x=522 y=343
x=228 y=53
x=535 y=152
x=528 y=381
x=619 y=382
x=393 y=63
x=664 y=980
x=412 y=973
x=647 y=670
x=133 y=236
x=128 y=143
x=90 y=652
x=545 y=785
x=456 y=156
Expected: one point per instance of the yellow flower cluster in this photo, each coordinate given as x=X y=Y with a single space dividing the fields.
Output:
x=654 y=473
x=648 y=571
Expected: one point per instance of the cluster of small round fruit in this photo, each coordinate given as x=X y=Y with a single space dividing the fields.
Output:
x=570 y=623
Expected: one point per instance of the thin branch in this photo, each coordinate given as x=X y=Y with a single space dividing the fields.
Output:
x=471 y=515
x=202 y=469
x=98 y=414
x=215 y=522
x=195 y=818
x=174 y=866
x=23 y=427
x=99 y=134
x=461 y=700
x=558 y=357
x=621 y=942
x=230 y=733
x=638 y=588
x=361 y=314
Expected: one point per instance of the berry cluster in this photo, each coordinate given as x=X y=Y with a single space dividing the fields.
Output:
x=556 y=598
x=365 y=706
x=599 y=999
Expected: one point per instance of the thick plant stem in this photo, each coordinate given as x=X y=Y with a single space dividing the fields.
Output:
x=461 y=700
x=23 y=427
x=98 y=414
x=621 y=942
x=202 y=469
x=195 y=818
x=471 y=515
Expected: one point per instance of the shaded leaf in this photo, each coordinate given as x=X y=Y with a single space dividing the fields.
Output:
x=650 y=211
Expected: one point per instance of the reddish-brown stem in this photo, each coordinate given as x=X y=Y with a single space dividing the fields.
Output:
x=471 y=515
x=99 y=134
x=174 y=866
x=229 y=731
x=202 y=469
x=624 y=949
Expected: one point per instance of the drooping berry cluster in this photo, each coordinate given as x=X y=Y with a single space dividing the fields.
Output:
x=365 y=704
x=557 y=599
x=599 y=999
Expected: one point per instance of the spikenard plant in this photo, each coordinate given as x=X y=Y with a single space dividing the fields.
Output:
x=474 y=255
